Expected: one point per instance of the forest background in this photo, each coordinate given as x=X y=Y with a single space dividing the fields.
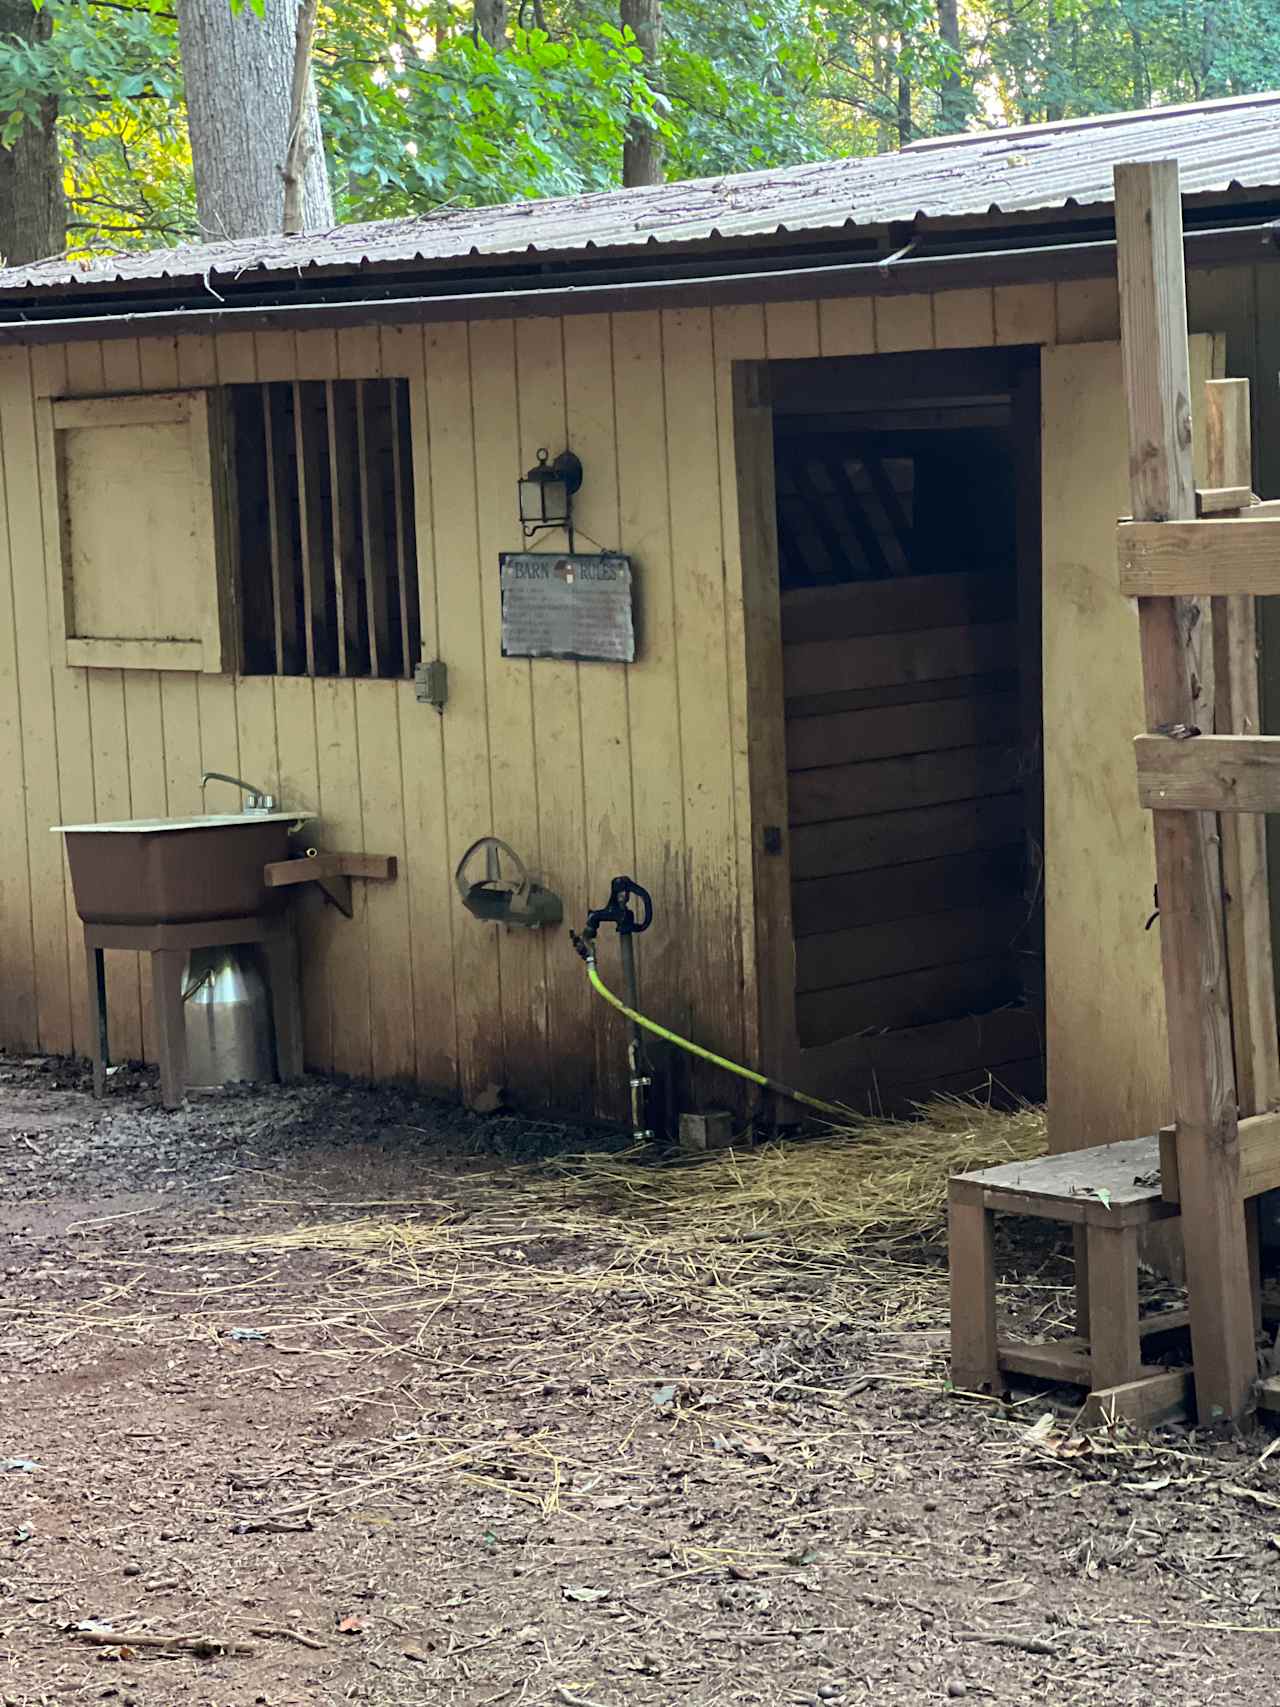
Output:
x=135 y=123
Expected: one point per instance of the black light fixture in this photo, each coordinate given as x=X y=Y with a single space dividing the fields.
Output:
x=546 y=493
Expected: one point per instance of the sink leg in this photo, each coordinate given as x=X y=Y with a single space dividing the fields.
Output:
x=286 y=999
x=167 y=966
x=96 y=967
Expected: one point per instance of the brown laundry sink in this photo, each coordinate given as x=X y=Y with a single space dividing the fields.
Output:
x=149 y=871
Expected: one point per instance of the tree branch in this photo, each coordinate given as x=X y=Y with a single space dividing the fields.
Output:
x=298 y=151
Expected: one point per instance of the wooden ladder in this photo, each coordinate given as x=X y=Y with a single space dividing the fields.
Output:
x=1202 y=769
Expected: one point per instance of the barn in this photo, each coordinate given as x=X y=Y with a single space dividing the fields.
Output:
x=859 y=713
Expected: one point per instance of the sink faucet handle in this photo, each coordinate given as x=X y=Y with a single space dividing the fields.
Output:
x=255 y=798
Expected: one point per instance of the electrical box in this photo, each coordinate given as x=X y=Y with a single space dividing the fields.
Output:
x=431 y=683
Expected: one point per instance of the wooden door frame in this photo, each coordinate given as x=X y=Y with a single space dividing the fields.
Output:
x=773 y=1037
x=776 y=1041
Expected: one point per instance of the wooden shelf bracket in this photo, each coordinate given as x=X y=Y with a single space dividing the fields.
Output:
x=332 y=872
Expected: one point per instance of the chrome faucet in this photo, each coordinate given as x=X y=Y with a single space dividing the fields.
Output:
x=255 y=800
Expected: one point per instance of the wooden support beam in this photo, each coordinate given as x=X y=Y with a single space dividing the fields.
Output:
x=1048 y=1360
x=1153 y=318
x=1259 y=1158
x=1115 y=1349
x=1155 y=1397
x=974 y=1365
x=1209 y=773
x=1221 y=554
x=1237 y=711
x=1223 y=500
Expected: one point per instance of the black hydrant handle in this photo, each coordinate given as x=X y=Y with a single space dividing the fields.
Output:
x=618 y=911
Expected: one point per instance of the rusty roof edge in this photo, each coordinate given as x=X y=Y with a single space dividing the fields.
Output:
x=1053 y=263
x=687 y=251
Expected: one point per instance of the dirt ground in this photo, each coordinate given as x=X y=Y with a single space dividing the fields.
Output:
x=366 y=1400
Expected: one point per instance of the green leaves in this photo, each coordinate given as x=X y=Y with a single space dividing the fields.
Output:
x=420 y=112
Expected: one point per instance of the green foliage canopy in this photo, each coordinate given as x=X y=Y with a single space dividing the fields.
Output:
x=420 y=112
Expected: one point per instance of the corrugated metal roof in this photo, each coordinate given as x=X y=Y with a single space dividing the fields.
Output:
x=1221 y=146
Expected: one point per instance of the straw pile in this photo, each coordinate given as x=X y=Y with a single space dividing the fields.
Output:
x=597 y=1260
x=736 y=1233
x=870 y=1179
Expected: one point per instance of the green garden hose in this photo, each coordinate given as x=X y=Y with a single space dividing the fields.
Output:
x=587 y=951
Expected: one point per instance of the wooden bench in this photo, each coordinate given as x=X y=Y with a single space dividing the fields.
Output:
x=1109 y=1191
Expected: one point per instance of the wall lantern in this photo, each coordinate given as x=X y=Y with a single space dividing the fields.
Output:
x=546 y=493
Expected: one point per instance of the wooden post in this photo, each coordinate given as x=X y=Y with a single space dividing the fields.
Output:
x=1153 y=319
x=1115 y=1345
x=1229 y=463
x=974 y=1353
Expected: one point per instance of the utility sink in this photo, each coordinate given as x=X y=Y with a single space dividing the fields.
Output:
x=149 y=871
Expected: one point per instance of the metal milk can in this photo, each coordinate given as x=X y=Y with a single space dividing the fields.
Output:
x=227 y=1012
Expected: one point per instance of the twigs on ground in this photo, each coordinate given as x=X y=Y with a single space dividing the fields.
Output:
x=160 y=1642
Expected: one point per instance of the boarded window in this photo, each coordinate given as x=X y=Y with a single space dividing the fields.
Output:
x=327 y=558
x=139 y=500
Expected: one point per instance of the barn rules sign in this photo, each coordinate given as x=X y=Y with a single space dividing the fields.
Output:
x=567 y=605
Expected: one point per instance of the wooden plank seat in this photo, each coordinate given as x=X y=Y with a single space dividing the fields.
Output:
x=1109 y=1191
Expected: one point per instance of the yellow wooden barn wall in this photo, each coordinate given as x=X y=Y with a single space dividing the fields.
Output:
x=587 y=769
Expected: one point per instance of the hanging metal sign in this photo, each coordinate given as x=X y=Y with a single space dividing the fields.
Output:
x=567 y=605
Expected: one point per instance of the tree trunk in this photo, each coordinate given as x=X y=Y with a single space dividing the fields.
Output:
x=297 y=151
x=1054 y=106
x=491 y=23
x=954 y=105
x=1138 y=63
x=882 y=78
x=238 y=69
x=33 y=213
x=1211 y=81
x=905 y=131
x=642 y=147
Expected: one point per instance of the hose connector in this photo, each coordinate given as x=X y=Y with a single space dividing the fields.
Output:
x=584 y=949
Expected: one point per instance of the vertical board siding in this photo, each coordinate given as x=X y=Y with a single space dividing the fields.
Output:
x=738 y=335
x=656 y=713
x=427 y=877
x=109 y=737
x=964 y=319
x=711 y=925
x=19 y=1022
x=68 y=789
x=513 y=771
x=589 y=770
x=462 y=611
x=610 y=841
x=559 y=733
x=586 y=769
x=1025 y=314
x=129 y=365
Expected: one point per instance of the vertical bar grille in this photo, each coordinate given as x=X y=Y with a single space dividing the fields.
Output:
x=326 y=541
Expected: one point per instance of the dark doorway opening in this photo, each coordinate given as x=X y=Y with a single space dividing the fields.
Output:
x=909 y=564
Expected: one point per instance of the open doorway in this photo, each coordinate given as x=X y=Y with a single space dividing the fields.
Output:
x=907 y=497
